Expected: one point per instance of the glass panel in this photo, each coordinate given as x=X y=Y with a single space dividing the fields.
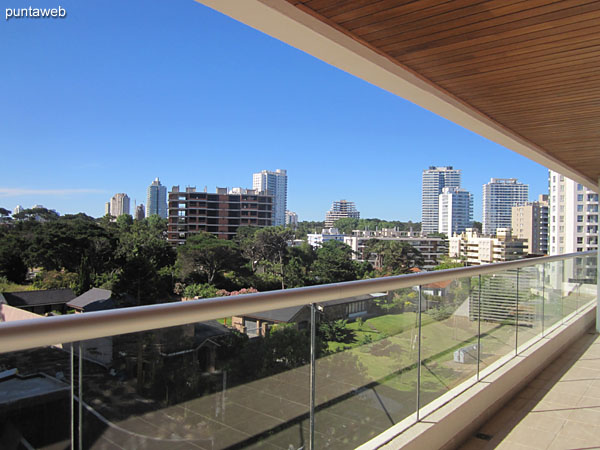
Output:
x=449 y=349
x=498 y=314
x=553 y=294
x=35 y=398
x=366 y=376
x=588 y=289
x=239 y=382
x=572 y=278
x=530 y=310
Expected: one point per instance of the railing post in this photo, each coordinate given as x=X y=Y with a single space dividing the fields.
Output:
x=598 y=285
x=419 y=356
x=72 y=358
x=478 y=327
x=80 y=398
x=517 y=318
x=543 y=296
x=562 y=297
x=313 y=333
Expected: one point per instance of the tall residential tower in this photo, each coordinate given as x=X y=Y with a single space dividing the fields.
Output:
x=573 y=213
x=118 y=205
x=455 y=211
x=156 y=202
x=275 y=183
x=341 y=210
x=434 y=180
x=499 y=196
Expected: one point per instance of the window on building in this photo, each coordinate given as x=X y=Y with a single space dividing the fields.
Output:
x=579 y=208
x=580 y=240
x=579 y=187
x=579 y=197
x=580 y=229
x=579 y=218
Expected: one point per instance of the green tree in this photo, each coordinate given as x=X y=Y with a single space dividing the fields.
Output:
x=205 y=254
x=142 y=255
x=298 y=269
x=446 y=263
x=393 y=257
x=12 y=264
x=272 y=246
x=334 y=263
x=250 y=248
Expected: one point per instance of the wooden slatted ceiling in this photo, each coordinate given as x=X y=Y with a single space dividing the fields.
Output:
x=532 y=66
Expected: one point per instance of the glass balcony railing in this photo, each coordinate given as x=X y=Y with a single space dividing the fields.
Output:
x=320 y=367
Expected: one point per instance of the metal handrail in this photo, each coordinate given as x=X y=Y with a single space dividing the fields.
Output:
x=32 y=333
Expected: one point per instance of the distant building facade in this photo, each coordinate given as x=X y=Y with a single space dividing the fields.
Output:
x=156 y=199
x=291 y=219
x=118 y=205
x=432 y=249
x=274 y=183
x=530 y=222
x=434 y=180
x=499 y=196
x=573 y=216
x=340 y=210
x=455 y=211
x=140 y=212
x=220 y=213
x=327 y=234
x=476 y=249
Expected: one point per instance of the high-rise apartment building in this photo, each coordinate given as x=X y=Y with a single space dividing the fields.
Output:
x=573 y=214
x=455 y=211
x=291 y=219
x=434 y=180
x=119 y=205
x=340 y=210
x=156 y=201
x=274 y=183
x=140 y=212
x=499 y=196
x=221 y=213
x=530 y=222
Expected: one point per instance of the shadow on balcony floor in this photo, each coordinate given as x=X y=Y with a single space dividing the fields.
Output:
x=559 y=409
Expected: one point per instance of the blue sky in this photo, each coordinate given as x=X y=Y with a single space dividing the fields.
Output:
x=121 y=92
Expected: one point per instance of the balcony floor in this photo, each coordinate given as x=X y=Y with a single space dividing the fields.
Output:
x=559 y=409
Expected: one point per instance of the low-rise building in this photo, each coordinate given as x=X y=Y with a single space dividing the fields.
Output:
x=327 y=234
x=431 y=248
x=476 y=249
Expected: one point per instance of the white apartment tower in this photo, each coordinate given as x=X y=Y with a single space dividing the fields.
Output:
x=573 y=214
x=156 y=200
x=455 y=211
x=499 y=196
x=119 y=205
x=274 y=183
x=434 y=180
x=341 y=210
